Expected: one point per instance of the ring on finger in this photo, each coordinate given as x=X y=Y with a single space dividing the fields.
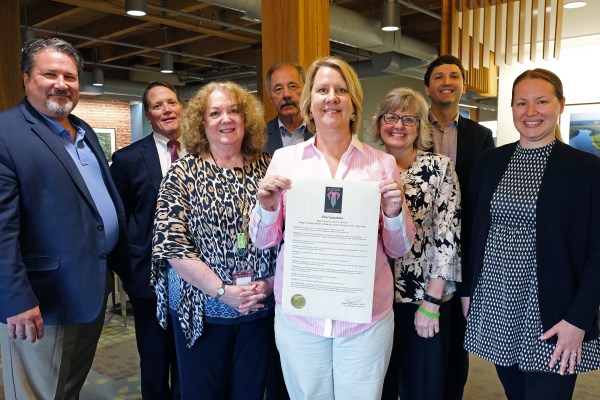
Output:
x=573 y=354
x=431 y=333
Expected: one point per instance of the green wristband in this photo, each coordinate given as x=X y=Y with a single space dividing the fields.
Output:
x=429 y=314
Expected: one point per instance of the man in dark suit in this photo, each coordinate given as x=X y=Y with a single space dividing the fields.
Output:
x=463 y=140
x=285 y=82
x=137 y=171
x=60 y=218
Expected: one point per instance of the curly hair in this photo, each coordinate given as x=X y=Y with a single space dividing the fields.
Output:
x=405 y=99
x=194 y=134
x=354 y=89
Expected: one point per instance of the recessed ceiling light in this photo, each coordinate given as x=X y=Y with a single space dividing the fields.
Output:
x=575 y=4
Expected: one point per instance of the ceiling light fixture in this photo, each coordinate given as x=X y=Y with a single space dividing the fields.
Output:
x=390 y=16
x=166 y=63
x=97 y=77
x=27 y=33
x=575 y=4
x=136 y=8
x=166 y=59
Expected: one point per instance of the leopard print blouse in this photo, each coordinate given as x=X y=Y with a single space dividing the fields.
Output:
x=198 y=214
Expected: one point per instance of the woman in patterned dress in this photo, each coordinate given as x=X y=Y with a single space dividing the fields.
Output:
x=534 y=264
x=216 y=285
x=425 y=278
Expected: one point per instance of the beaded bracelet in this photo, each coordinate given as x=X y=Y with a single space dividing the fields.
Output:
x=429 y=314
x=432 y=300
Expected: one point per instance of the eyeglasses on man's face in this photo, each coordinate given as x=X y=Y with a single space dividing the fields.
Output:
x=407 y=120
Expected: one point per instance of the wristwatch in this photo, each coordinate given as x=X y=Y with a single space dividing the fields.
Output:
x=220 y=291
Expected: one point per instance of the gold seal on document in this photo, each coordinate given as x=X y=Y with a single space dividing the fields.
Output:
x=298 y=301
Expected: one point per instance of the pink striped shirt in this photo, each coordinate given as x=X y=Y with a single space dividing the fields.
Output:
x=361 y=163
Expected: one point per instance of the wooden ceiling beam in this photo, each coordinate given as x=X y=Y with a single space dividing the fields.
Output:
x=175 y=23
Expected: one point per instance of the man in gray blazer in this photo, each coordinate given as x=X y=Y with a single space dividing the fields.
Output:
x=285 y=82
x=60 y=219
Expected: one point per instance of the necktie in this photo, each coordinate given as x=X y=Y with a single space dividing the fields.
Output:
x=172 y=146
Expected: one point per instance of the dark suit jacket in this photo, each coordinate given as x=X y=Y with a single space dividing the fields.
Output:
x=274 y=136
x=567 y=232
x=52 y=243
x=473 y=139
x=137 y=175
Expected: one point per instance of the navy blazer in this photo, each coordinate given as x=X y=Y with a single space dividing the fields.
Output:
x=274 y=141
x=137 y=175
x=567 y=232
x=473 y=139
x=52 y=243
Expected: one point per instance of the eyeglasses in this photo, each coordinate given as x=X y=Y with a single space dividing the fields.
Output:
x=407 y=120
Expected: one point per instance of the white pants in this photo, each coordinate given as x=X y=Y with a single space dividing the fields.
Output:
x=343 y=368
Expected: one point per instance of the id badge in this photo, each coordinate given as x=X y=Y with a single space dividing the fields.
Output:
x=242 y=278
x=242 y=244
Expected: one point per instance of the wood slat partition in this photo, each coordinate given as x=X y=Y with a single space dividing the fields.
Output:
x=468 y=35
x=510 y=29
x=487 y=33
x=522 y=29
x=547 y=25
x=499 y=17
x=535 y=9
x=558 y=28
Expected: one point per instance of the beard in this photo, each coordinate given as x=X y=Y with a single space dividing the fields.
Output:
x=60 y=108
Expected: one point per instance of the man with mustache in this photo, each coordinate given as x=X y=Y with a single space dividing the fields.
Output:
x=463 y=140
x=60 y=219
x=285 y=82
x=138 y=170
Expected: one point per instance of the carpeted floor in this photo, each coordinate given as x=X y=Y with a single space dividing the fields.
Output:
x=115 y=372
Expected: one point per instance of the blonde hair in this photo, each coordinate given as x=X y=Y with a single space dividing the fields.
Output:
x=194 y=133
x=552 y=79
x=405 y=99
x=354 y=89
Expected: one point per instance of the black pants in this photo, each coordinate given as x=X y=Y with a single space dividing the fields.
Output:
x=418 y=365
x=520 y=385
x=156 y=347
x=276 y=389
x=458 y=357
x=228 y=362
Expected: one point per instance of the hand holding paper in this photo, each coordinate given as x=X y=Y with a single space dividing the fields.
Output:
x=391 y=197
x=270 y=189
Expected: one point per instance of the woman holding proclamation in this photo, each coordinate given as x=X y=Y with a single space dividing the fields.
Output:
x=324 y=358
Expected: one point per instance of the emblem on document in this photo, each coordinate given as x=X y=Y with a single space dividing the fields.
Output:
x=333 y=199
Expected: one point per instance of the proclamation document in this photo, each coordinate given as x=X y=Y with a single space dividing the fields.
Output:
x=330 y=247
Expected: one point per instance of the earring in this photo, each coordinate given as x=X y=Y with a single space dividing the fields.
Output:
x=353 y=117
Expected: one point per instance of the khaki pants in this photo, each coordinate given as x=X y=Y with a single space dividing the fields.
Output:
x=54 y=367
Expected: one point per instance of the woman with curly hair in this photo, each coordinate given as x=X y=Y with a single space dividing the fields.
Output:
x=207 y=275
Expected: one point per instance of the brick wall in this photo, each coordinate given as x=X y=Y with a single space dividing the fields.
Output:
x=102 y=113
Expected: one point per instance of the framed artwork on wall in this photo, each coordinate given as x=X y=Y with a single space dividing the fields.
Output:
x=580 y=126
x=107 y=139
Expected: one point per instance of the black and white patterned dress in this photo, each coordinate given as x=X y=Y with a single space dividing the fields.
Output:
x=505 y=323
